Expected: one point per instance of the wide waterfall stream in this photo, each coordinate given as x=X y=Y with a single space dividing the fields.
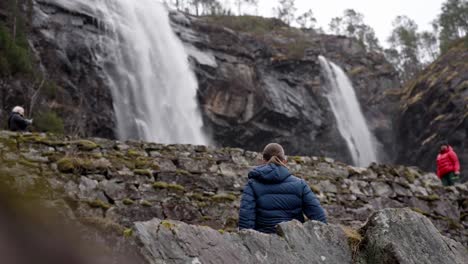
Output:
x=152 y=84
x=348 y=114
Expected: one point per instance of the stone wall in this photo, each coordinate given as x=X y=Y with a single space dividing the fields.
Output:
x=136 y=181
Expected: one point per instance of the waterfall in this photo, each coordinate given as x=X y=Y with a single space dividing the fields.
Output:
x=348 y=114
x=153 y=87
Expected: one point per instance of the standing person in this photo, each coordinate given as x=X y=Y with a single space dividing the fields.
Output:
x=16 y=121
x=448 y=166
x=272 y=195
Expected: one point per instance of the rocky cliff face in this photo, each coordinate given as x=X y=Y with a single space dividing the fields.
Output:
x=253 y=87
x=114 y=190
x=263 y=86
x=435 y=108
x=65 y=78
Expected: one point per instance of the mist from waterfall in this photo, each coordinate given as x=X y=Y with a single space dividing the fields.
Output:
x=348 y=114
x=153 y=87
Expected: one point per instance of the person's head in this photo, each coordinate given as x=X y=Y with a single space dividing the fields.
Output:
x=274 y=153
x=444 y=145
x=19 y=110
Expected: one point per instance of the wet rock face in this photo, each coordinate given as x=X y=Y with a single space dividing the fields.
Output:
x=434 y=108
x=132 y=182
x=68 y=81
x=252 y=92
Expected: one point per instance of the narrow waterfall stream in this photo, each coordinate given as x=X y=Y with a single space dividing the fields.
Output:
x=348 y=114
x=153 y=87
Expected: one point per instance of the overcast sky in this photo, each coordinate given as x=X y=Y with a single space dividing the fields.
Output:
x=379 y=14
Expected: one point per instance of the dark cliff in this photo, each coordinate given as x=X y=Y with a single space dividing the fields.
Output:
x=434 y=108
x=255 y=86
x=261 y=81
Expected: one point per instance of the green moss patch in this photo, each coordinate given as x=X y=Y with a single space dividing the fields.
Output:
x=429 y=198
x=224 y=198
x=143 y=172
x=86 y=145
x=99 y=204
x=128 y=201
x=170 y=186
x=66 y=165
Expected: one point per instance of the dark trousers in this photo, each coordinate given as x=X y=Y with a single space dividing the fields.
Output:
x=449 y=179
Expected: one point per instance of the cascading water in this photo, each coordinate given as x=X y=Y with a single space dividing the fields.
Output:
x=350 y=120
x=153 y=88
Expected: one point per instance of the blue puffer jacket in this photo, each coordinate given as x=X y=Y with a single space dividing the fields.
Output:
x=272 y=196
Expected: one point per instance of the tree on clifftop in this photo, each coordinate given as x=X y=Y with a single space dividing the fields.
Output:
x=307 y=20
x=404 y=47
x=453 y=22
x=286 y=11
x=351 y=24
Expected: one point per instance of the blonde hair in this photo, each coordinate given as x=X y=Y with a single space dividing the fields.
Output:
x=274 y=153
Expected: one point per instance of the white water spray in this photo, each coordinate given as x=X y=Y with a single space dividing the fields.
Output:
x=349 y=117
x=153 y=88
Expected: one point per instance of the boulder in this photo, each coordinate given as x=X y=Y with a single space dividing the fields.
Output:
x=402 y=236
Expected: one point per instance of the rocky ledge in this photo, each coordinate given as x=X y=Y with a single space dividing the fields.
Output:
x=128 y=182
x=390 y=236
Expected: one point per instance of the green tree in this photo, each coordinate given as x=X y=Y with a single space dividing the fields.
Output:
x=404 y=50
x=428 y=46
x=453 y=22
x=307 y=20
x=286 y=11
x=351 y=24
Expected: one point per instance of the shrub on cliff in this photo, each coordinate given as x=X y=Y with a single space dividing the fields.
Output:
x=14 y=54
x=49 y=121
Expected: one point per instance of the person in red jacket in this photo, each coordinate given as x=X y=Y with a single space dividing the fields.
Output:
x=448 y=166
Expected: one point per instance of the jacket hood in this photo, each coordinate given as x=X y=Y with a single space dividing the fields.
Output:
x=449 y=148
x=269 y=173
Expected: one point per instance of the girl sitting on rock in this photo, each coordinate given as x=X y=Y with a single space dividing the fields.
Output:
x=272 y=195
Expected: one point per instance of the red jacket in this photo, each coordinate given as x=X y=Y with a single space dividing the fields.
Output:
x=447 y=161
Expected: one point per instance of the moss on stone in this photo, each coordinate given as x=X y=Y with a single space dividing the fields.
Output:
x=182 y=172
x=86 y=145
x=99 y=204
x=197 y=196
x=314 y=188
x=167 y=224
x=128 y=201
x=410 y=177
x=176 y=187
x=429 y=198
x=143 y=172
x=133 y=153
x=221 y=231
x=128 y=232
x=224 y=198
x=29 y=164
x=66 y=165
x=207 y=218
x=160 y=185
x=170 y=186
x=146 y=203
x=420 y=211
